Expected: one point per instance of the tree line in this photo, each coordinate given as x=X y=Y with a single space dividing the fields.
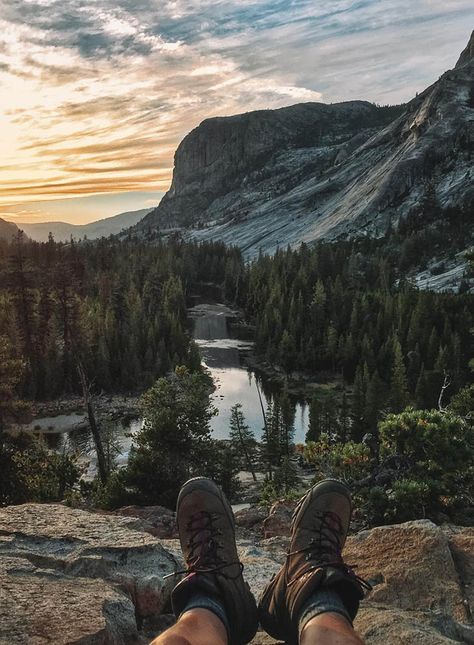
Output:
x=343 y=311
x=339 y=312
x=118 y=308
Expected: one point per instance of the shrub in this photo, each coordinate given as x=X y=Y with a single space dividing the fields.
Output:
x=31 y=473
x=437 y=445
x=349 y=461
x=285 y=477
x=272 y=493
x=407 y=499
x=425 y=466
x=436 y=474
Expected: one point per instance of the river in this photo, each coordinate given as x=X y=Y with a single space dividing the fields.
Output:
x=224 y=357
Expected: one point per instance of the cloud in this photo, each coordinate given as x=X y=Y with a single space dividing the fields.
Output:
x=96 y=96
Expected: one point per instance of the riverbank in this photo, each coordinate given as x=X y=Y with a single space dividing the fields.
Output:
x=65 y=413
x=299 y=384
x=113 y=404
x=226 y=346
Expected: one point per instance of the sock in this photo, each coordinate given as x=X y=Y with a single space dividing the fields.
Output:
x=212 y=603
x=322 y=601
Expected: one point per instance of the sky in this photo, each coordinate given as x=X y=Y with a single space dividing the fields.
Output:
x=95 y=95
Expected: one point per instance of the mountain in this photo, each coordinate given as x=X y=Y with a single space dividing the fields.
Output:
x=7 y=230
x=310 y=171
x=62 y=231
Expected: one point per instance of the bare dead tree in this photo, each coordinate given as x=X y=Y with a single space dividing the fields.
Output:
x=86 y=392
x=444 y=387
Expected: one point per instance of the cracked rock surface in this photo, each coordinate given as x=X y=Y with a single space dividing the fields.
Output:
x=69 y=576
x=66 y=572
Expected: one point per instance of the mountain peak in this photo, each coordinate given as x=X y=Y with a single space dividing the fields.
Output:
x=467 y=54
x=314 y=171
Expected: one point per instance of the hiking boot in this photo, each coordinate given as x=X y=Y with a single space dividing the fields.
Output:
x=207 y=535
x=318 y=533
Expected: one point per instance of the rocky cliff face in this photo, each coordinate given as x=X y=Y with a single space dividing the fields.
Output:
x=8 y=230
x=69 y=576
x=310 y=171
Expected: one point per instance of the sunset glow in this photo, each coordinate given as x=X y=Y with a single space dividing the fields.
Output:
x=95 y=96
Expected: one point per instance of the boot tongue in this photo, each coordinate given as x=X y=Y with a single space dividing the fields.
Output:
x=204 y=546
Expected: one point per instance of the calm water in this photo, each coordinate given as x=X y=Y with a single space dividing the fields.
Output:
x=223 y=356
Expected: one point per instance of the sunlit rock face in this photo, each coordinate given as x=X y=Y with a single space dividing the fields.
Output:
x=275 y=177
x=8 y=230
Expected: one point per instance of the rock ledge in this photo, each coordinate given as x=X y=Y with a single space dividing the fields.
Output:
x=70 y=576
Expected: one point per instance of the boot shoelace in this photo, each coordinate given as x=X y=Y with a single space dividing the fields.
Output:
x=325 y=548
x=204 y=547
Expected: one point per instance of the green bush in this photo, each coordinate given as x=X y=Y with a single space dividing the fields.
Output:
x=407 y=499
x=349 y=461
x=425 y=468
x=110 y=495
x=436 y=476
x=271 y=493
x=31 y=473
x=438 y=447
x=285 y=478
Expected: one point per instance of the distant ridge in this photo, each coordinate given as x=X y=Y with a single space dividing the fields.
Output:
x=62 y=231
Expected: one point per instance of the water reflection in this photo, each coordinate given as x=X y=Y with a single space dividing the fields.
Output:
x=118 y=437
x=224 y=356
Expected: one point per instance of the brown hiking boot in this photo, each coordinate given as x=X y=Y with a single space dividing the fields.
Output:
x=207 y=535
x=318 y=534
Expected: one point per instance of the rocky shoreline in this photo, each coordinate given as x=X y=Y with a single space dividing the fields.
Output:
x=113 y=404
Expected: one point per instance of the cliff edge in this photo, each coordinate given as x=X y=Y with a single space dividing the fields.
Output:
x=70 y=576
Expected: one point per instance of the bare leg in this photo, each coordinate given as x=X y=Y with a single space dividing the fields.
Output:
x=195 y=627
x=329 y=629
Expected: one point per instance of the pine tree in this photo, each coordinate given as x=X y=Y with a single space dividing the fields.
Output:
x=375 y=401
x=286 y=478
x=420 y=388
x=287 y=352
x=359 y=426
x=344 y=418
x=11 y=407
x=399 y=397
x=270 y=441
x=174 y=442
x=242 y=438
x=429 y=204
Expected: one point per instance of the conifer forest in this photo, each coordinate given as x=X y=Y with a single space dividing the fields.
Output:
x=115 y=313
